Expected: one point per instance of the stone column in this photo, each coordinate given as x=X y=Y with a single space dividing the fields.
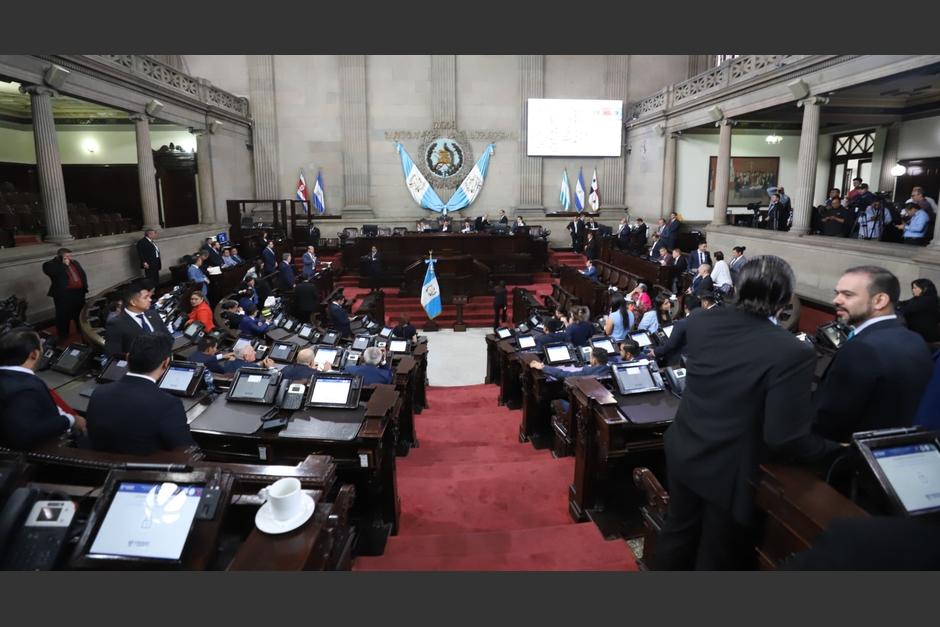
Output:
x=802 y=200
x=612 y=171
x=204 y=173
x=669 y=176
x=264 y=128
x=352 y=88
x=722 y=172
x=889 y=158
x=146 y=174
x=444 y=91
x=532 y=83
x=48 y=164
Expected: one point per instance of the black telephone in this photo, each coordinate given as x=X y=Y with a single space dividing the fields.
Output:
x=290 y=396
x=49 y=355
x=33 y=532
x=676 y=379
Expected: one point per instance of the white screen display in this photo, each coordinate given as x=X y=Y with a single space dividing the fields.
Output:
x=191 y=329
x=251 y=387
x=642 y=339
x=398 y=346
x=361 y=343
x=330 y=391
x=148 y=520
x=574 y=128
x=526 y=341
x=305 y=331
x=914 y=473
x=385 y=332
x=324 y=356
x=280 y=351
x=176 y=379
x=241 y=343
x=605 y=344
x=503 y=333
x=557 y=353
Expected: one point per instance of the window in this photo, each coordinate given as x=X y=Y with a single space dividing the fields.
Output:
x=721 y=58
x=851 y=158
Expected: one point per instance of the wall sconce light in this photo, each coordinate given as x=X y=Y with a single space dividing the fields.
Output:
x=90 y=145
x=773 y=139
x=898 y=170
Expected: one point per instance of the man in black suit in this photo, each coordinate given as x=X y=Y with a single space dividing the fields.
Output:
x=136 y=319
x=747 y=394
x=576 y=228
x=699 y=257
x=638 y=235
x=207 y=353
x=269 y=257
x=702 y=283
x=285 y=273
x=503 y=219
x=877 y=378
x=149 y=254
x=481 y=223
x=213 y=252
x=306 y=299
x=68 y=288
x=29 y=415
x=133 y=415
x=373 y=263
x=338 y=318
x=670 y=232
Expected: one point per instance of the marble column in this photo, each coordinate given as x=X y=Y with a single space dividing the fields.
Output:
x=355 y=120
x=532 y=83
x=49 y=164
x=669 y=176
x=722 y=172
x=204 y=173
x=802 y=199
x=261 y=86
x=612 y=171
x=146 y=174
x=444 y=91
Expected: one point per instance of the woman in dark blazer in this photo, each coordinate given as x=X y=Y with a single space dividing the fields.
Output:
x=922 y=312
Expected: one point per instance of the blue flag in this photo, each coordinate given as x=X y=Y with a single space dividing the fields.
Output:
x=472 y=184
x=579 y=192
x=418 y=186
x=431 y=292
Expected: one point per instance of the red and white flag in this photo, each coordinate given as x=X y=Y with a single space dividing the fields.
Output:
x=303 y=194
x=595 y=197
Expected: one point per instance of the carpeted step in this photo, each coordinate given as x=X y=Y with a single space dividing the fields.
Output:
x=560 y=547
x=428 y=454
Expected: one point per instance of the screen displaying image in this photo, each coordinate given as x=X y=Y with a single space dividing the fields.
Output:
x=914 y=473
x=289 y=324
x=280 y=351
x=191 y=329
x=398 y=346
x=607 y=345
x=386 y=332
x=148 y=520
x=668 y=330
x=633 y=378
x=557 y=353
x=503 y=333
x=324 y=356
x=251 y=387
x=526 y=341
x=176 y=379
x=330 y=337
x=277 y=320
x=305 y=331
x=574 y=128
x=361 y=343
x=642 y=339
x=330 y=391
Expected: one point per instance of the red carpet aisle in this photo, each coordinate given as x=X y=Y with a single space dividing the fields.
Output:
x=474 y=498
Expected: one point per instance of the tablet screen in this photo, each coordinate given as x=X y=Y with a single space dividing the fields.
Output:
x=330 y=391
x=642 y=339
x=606 y=344
x=251 y=387
x=305 y=331
x=633 y=378
x=526 y=341
x=281 y=351
x=177 y=378
x=556 y=354
x=914 y=472
x=386 y=332
x=324 y=356
x=503 y=333
x=398 y=346
x=361 y=343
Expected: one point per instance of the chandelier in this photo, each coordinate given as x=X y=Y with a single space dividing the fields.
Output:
x=773 y=139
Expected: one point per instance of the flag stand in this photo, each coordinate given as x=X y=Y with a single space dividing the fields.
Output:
x=431 y=325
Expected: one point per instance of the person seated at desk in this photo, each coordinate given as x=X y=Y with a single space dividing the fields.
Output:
x=626 y=352
x=665 y=259
x=620 y=319
x=227 y=261
x=30 y=413
x=252 y=324
x=234 y=256
x=133 y=415
x=876 y=380
x=467 y=226
x=136 y=319
x=577 y=332
x=232 y=314
x=310 y=262
x=285 y=273
x=481 y=223
x=195 y=274
x=405 y=330
x=703 y=281
x=446 y=226
x=302 y=370
x=589 y=270
x=656 y=317
x=337 y=317
x=597 y=366
x=201 y=311
x=520 y=222
x=207 y=353
x=371 y=369
x=423 y=227
x=557 y=322
x=245 y=356
x=641 y=297
x=248 y=294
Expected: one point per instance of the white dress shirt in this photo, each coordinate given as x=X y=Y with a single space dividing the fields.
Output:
x=872 y=321
x=721 y=273
x=145 y=325
x=141 y=376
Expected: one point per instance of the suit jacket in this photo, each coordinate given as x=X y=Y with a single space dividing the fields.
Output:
x=296 y=372
x=499 y=298
x=682 y=264
x=211 y=362
x=405 y=331
x=285 y=274
x=252 y=327
x=215 y=259
x=371 y=374
x=577 y=229
x=590 y=273
x=592 y=249
x=28 y=415
x=675 y=344
x=747 y=391
x=922 y=315
x=702 y=285
x=638 y=236
x=59 y=275
x=309 y=265
x=147 y=252
x=586 y=371
x=134 y=416
x=735 y=265
x=270 y=260
x=875 y=381
x=693 y=261
x=479 y=224
x=670 y=233
x=339 y=319
x=122 y=329
x=306 y=298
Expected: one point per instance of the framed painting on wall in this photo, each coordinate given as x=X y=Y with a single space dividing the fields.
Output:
x=748 y=181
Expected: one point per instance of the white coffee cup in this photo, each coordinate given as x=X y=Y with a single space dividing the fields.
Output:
x=285 y=498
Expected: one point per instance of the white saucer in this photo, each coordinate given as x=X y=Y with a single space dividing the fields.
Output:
x=266 y=522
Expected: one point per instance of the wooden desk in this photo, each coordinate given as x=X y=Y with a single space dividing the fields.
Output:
x=492 y=358
x=510 y=375
x=538 y=391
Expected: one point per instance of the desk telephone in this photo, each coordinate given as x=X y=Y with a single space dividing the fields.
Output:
x=49 y=355
x=33 y=531
x=676 y=379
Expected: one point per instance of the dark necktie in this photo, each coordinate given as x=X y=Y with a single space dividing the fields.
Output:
x=144 y=324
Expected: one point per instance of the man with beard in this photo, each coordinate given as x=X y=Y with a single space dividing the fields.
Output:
x=877 y=378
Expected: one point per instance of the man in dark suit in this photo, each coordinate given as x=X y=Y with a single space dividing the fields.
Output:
x=68 y=288
x=269 y=257
x=373 y=263
x=638 y=235
x=591 y=248
x=598 y=366
x=337 y=317
x=285 y=273
x=214 y=252
x=404 y=329
x=370 y=368
x=481 y=223
x=207 y=353
x=576 y=228
x=133 y=415
x=29 y=414
x=699 y=257
x=503 y=219
x=877 y=378
x=136 y=319
x=149 y=254
x=670 y=231
x=302 y=370
x=306 y=299
x=747 y=394
x=702 y=283
x=680 y=261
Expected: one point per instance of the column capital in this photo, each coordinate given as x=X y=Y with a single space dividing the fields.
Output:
x=726 y=122
x=813 y=100
x=199 y=132
x=140 y=117
x=38 y=90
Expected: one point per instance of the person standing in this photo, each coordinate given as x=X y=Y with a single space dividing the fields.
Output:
x=306 y=299
x=922 y=311
x=68 y=288
x=747 y=395
x=285 y=273
x=670 y=231
x=310 y=262
x=149 y=254
x=499 y=304
x=737 y=261
x=269 y=258
x=195 y=274
x=576 y=228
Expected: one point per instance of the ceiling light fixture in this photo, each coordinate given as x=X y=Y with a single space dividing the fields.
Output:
x=898 y=170
x=773 y=139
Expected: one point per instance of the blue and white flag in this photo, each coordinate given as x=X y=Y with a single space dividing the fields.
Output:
x=471 y=186
x=431 y=292
x=579 y=192
x=318 y=200
x=419 y=187
x=565 y=196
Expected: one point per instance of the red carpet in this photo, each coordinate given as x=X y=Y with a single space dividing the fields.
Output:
x=474 y=498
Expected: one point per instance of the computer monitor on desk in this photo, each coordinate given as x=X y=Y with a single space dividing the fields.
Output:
x=526 y=342
x=182 y=378
x=334 y=390
x=254 y=385
x=559 y=354
x=636 y=377
x=604 y=342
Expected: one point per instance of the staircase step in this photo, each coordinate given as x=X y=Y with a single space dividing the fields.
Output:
x=428 y=454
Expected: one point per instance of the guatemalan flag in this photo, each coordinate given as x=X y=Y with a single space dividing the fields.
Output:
x=419 y=187
x=302 y=194
x=471 y=186
x=431 y=292
x=318 y=199
x=565 y=196
x=595 y=197
x=579 y=192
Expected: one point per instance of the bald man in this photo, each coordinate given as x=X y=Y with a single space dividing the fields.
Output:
x=302 y=370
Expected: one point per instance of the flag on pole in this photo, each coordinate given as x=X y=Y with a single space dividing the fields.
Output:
x=565 y=196
x=471 y=186
x=431 y=291
x=418 y=186
x=302 y=194
x=579 y=192
x=595 y=197
x=319 y=202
